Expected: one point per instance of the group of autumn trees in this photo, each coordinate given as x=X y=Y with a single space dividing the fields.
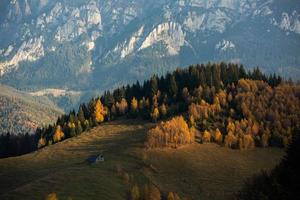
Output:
x=243 y=115
x=157 y=98
x=172 y=133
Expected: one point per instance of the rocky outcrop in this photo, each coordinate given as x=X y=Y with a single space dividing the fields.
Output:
x=170 y=33
x=289 y=22
x=30 y=50
x=225 y=45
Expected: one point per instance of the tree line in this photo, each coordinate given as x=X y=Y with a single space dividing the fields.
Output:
x=155 y=99
x=243 y=115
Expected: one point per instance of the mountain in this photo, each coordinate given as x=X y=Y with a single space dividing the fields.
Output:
x=95 y=44
x=21 y=112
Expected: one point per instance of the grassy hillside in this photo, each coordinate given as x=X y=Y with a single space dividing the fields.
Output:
x=198 y=171
x=21 y=112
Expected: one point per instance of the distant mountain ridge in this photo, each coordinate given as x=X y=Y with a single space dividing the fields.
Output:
x=21 y=112
x=96 y=44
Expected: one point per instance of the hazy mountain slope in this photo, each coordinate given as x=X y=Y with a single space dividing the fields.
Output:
x=88 y=44
x=21 y=112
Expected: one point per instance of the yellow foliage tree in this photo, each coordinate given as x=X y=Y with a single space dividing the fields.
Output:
x=255 y=129
x=171 y=133
x=163 y=110
x=246 y=142
x=142 y=103
x=152 y=193
x=42 y=142
x=52 y=196
x=218 y=136
x=134 y=104
x=171 y=196
x=231 y=127
x=99 y=111
x=206 y=136
x=58 y=135
x=155 y=114
x=230 y=140
x=122 y=106
x=135 y=193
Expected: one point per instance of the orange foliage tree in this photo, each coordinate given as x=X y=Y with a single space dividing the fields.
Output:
x=99 y=111
x=58 y=135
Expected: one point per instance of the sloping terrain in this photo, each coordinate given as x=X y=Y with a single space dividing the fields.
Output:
x=20 y=112
x=196 y=171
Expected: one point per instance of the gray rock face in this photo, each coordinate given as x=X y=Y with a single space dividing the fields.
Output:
x=119 y=41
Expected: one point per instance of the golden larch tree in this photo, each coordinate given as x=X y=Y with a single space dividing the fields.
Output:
x=41 y=142
x=99 y=111
x=134 y=104
x=58 y=135
x=155 y=114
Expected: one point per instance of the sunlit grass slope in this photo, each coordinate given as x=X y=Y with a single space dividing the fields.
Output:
x=196 y=171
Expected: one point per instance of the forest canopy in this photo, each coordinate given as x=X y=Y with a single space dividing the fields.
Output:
x=223 y=102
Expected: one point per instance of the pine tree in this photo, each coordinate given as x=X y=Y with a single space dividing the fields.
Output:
x=173 y=89
x=154 y=86
x=163 y=110
x=79 y=129
x=80 y=114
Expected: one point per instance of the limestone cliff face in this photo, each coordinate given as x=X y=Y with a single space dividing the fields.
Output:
x=30 y=50
x=169 y=33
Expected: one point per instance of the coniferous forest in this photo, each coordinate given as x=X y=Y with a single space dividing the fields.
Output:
x=220 y=102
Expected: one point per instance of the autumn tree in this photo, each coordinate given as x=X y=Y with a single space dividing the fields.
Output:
x=99 y=111
x=151 y=192
x=52 y=196
x=206 y=136
x=41 y=142
x=163 y=110
x=134 y=105
x=122 y=106
x=135 y=193
x=230 y=140
x=173 y=133
x=246 y=142
x=218 y=138
x=155 y=114
x=58 y=135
